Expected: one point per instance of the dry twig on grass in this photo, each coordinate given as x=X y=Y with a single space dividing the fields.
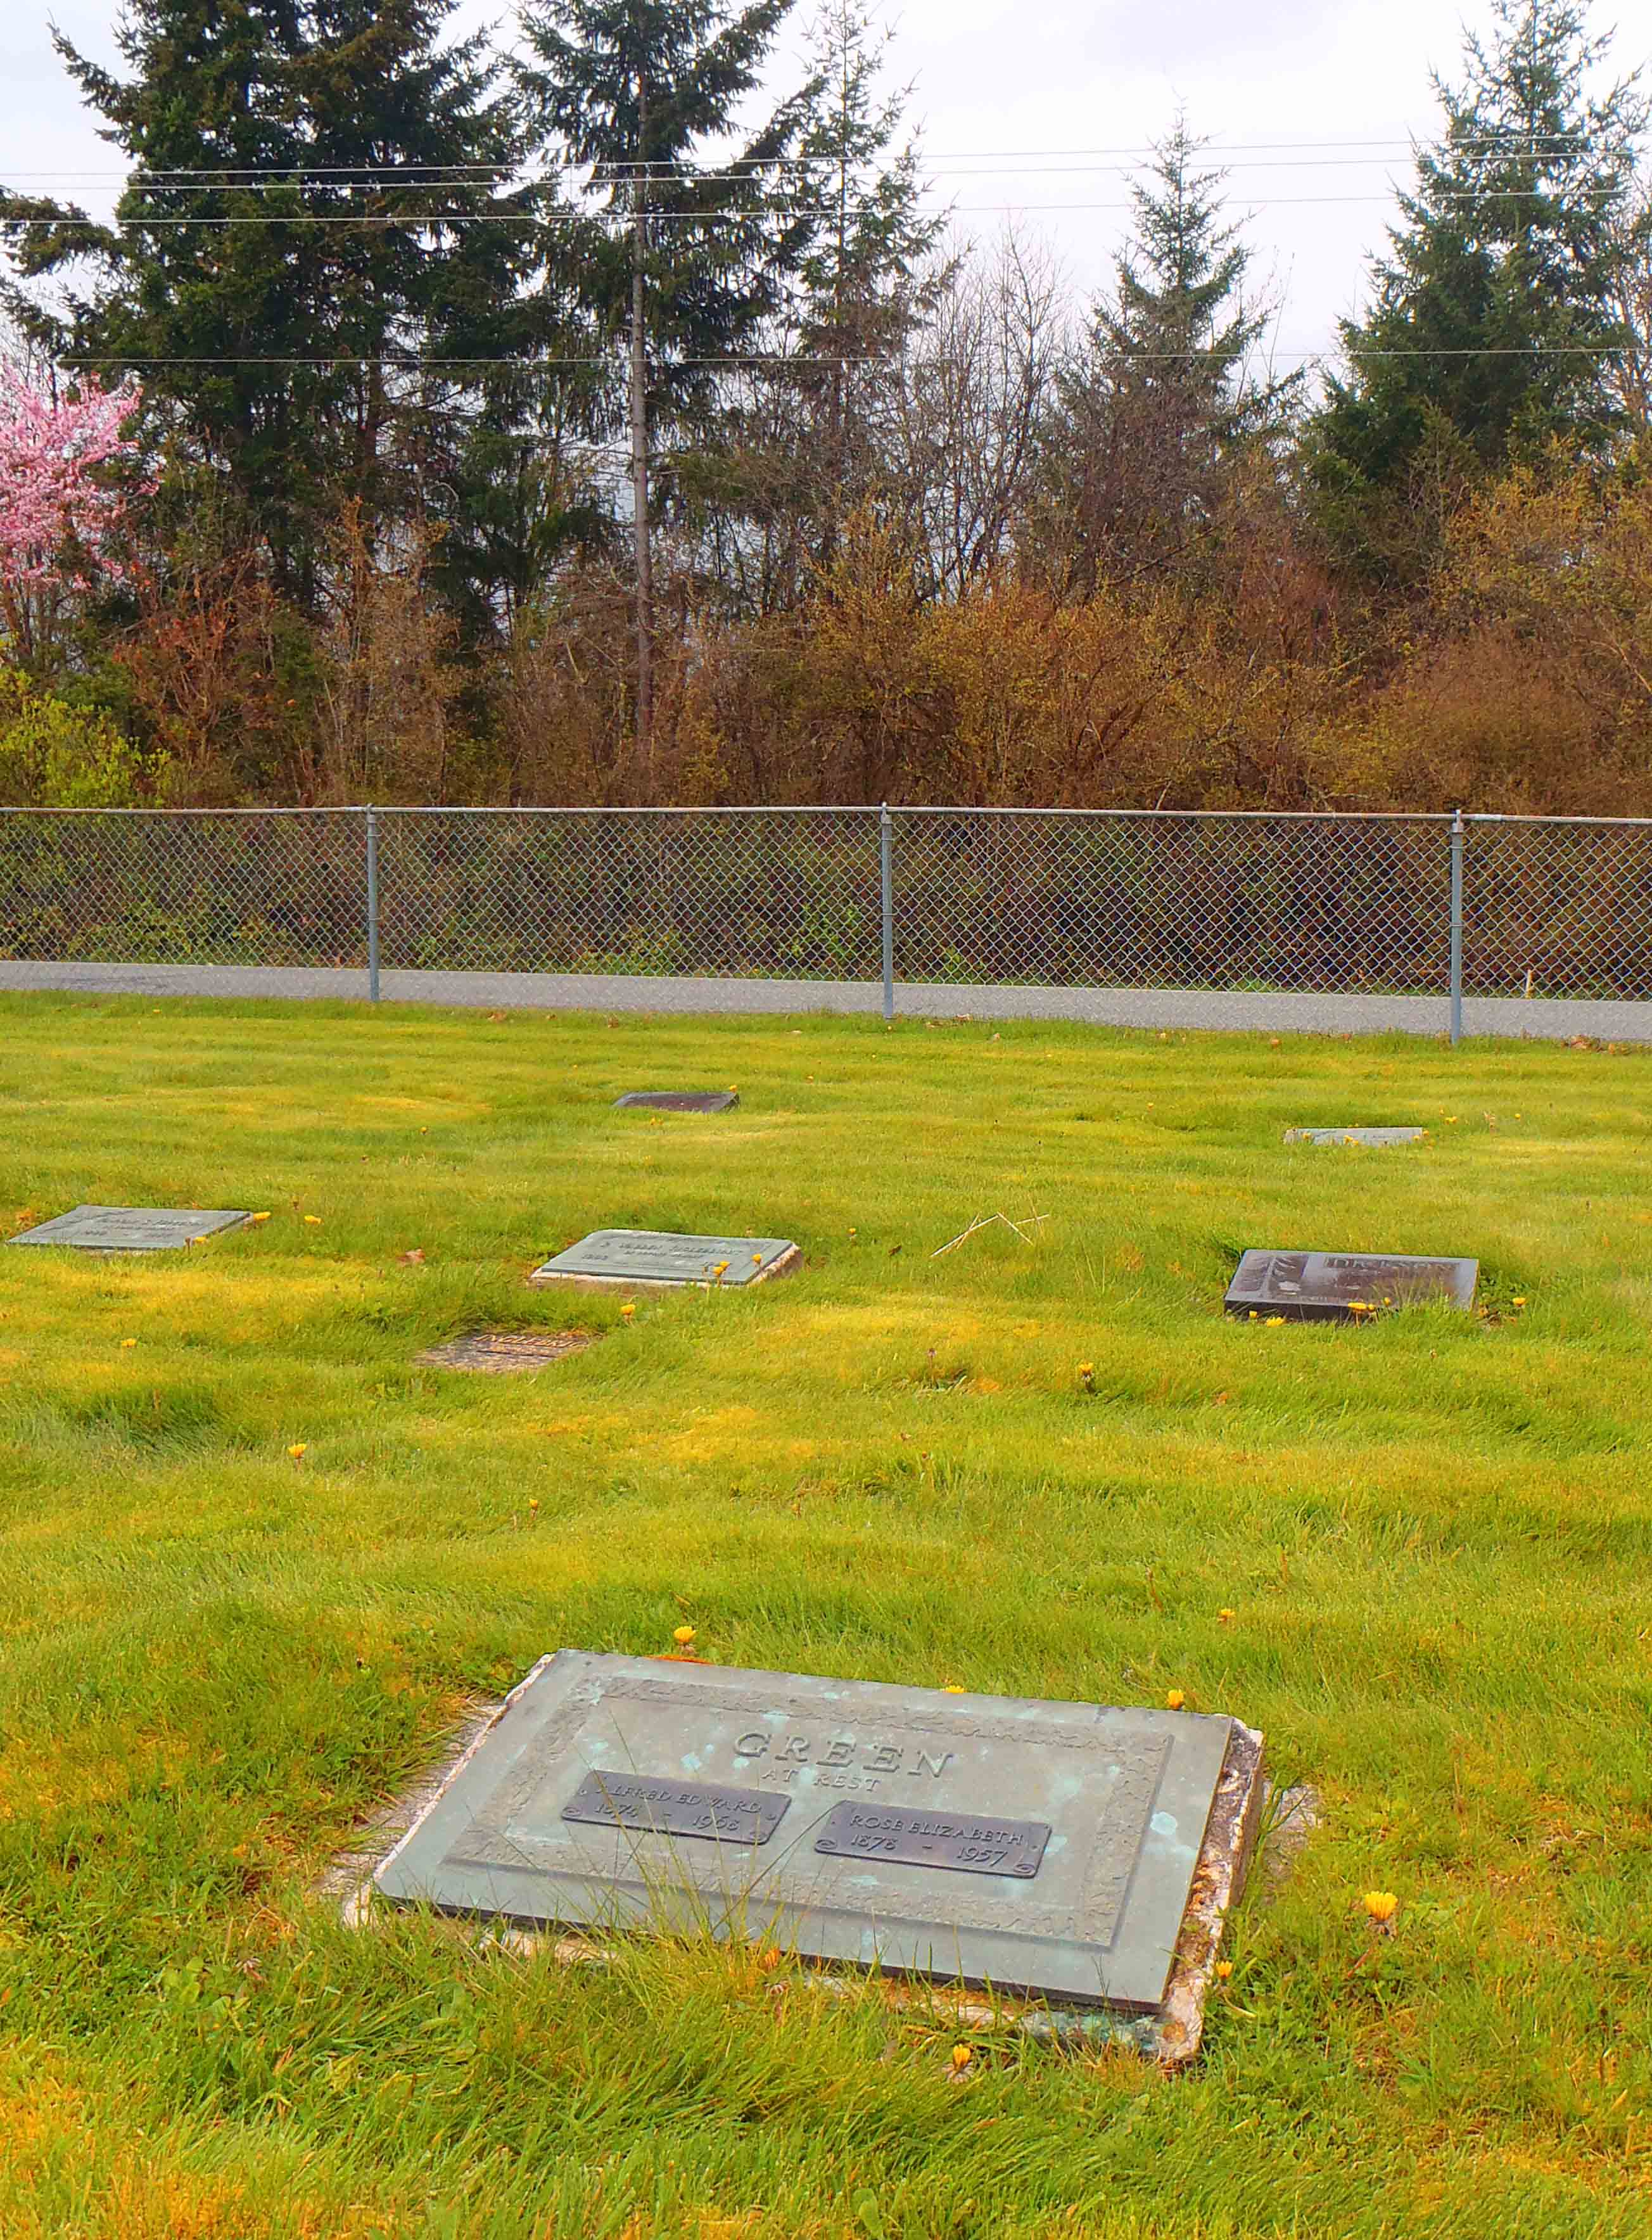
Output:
x=985 y=1221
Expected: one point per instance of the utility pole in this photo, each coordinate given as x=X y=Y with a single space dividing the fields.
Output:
x=639 y=439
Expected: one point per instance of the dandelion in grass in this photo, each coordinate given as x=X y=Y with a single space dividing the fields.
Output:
x=952 y=1687
x=1520 y=1302
x=1224 y=1968
x=257 y=1216
x=1275 y=1321
x=1175 y=1700
x=1227 y=1615
x=297 y=1451
x=627 y=1311
x=1382 y=1905
x=312 y=1220
x=962 y=2056
x=684 y=1635
x=127 y=1343
x=1087 y=1374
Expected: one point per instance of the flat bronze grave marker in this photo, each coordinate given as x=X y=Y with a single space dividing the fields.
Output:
x=503 y=1353
x=677 y=1100
x=644 y=1259
x=130 y=1227
x=1367 y=1138
x=1318 y=1287
x=1045 y=1847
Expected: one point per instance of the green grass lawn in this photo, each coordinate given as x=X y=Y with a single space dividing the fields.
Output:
x=1433 y=1534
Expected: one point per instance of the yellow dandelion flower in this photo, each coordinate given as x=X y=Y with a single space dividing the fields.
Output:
x=1520 y=1302
x=1224 y=1968
x=257 y=1216
x=1227 y=1615
x=627 y=1311
x=127 y=1343
x=1175 y=1700
x=1275 y=1321
x=1382 y=1905
x=684 y=1635
x=952 y=1687
x=298 y=1451
x=312 y=1220
x=962 y=2056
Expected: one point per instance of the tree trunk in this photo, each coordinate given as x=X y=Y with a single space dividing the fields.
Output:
x=639 y=446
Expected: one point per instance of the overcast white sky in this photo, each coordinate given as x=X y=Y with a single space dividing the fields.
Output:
x=1012 y=76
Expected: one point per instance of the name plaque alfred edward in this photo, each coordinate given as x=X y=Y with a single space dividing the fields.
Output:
x=1047 y=1848
x=641 y=1259
x=130 y=1227
x=1320 y=1287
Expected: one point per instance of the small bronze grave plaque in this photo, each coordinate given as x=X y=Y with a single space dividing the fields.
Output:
x=1050 y=1847
x=974 y=1845
x=1374 y=1139
x=500 y=1353
x=676 y=1808
x=640 y=1259
x=131 y=1228
x=1318 y=1287
x=677 y=1100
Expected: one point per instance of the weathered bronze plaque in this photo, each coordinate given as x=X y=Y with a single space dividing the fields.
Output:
x=503 y=1353
x=676 y=1808
x=130 y=1227
x=1309 y=1287
x=677 y=1100
x=1363 y=1138
x=964 y=1841
x=637 y=1259
x=1108 y=1808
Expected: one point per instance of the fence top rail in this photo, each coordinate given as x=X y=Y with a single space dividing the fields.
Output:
x=1439 y=817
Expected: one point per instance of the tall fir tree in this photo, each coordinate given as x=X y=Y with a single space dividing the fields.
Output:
x=319 y=250
x=683 y=256
x=1155 y=413
x=1497 y=313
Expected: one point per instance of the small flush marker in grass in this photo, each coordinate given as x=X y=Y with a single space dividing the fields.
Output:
x=501 y=1353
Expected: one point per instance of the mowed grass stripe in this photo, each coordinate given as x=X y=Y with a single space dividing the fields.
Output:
x=1433 y=1535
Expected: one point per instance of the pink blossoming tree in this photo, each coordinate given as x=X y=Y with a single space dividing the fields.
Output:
x=59 y=511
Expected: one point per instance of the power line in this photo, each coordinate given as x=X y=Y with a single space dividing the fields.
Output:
x=780 y=360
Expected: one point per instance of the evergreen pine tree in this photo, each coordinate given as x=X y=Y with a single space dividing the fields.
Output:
x=680 y=258
x=1496 y=313
x=1157 y=409
x=318 y=227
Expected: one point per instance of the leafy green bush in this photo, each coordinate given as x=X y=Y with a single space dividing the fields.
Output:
x=53 y=756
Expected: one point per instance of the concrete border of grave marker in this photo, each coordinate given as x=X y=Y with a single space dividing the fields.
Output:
x=617 y=1260
x=529 y=1757
x=117 y=1228
x=677 y=1100
x=1297 y=1286
x=1370 y=1139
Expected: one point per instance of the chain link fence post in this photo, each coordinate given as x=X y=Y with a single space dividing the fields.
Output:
x=886 y=894
x=1456 y=926
x=372 y=906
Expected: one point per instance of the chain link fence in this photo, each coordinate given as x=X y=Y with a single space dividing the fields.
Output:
x=1373 y=905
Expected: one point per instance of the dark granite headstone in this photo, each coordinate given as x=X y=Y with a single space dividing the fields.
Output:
x=1367 y=1138
x=640 y=1259
x=1319 y=1287
x=130 y=1227
x=677 y=1100
x=1046 y=1847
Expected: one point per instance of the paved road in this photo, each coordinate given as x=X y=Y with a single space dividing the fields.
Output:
x=1114 y=1007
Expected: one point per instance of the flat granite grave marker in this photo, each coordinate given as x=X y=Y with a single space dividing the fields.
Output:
x=130 y=1227
x=1369 y=1138
x=1321 y=1287
x=644 y=1259
x=1040 y=1847
x=503 y=1353
x=677 y=1100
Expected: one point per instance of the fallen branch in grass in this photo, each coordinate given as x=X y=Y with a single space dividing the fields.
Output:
x=985 y=1221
